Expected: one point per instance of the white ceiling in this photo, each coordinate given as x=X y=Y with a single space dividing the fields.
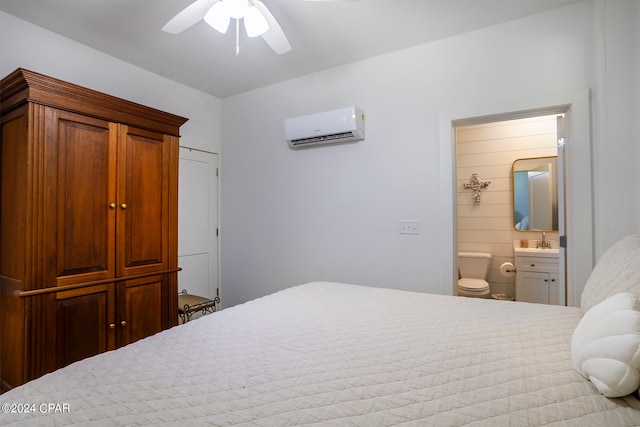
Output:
x=322 y=34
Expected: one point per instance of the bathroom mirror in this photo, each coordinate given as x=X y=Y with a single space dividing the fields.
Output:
x=535 y=194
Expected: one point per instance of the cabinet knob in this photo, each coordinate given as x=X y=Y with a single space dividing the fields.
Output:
x=112 y=325
x=123 y=323
x=123 y=206
x=533 y=265
x=112 y=205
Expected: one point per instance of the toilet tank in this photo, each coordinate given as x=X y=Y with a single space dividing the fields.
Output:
x=474 y=265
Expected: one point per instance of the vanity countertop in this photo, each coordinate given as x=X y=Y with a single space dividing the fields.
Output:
x=532 y=250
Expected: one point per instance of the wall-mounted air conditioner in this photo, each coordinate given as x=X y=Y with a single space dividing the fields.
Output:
x=330 y=127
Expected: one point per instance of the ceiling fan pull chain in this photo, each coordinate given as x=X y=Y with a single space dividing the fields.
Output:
x=237 y=37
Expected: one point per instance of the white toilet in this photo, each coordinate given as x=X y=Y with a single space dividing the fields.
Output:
x=473 y=268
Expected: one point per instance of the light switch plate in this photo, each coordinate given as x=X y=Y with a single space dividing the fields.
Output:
x=409 y=226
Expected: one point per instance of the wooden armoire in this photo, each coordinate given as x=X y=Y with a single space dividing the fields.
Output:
x=88 y=223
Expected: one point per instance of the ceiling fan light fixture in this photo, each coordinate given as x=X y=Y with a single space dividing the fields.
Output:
x=254 y=22
x=259 y=20
x=237 y=8
x=218 y=17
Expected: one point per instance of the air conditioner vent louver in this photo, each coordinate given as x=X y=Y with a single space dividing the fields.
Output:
x=324 y=138
x=343 y=125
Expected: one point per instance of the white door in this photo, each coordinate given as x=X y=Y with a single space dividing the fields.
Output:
x=198 y=222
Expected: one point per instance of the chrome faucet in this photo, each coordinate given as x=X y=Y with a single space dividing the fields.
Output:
x=544 y=243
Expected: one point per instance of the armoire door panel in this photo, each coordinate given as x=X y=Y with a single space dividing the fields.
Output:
x=85 y=154
x=140 y=308
x=142 y=202
x=84 y=319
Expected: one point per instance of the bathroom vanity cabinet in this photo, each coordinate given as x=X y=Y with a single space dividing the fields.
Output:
x=537 y=278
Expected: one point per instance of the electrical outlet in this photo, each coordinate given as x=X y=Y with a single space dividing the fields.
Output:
x=409 y=226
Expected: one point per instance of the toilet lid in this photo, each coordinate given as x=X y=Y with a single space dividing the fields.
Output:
x=473 y=284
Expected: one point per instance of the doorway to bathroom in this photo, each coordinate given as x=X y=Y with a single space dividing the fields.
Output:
x=577 y=193
x=496 y=202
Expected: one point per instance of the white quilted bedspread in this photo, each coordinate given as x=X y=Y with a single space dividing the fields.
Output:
x=336 y=354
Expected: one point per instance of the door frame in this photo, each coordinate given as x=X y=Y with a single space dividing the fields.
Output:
x=214 y=288
x=575 y=106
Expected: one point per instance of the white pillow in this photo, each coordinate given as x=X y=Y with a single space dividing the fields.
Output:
x=605 y=346
x=618 y=270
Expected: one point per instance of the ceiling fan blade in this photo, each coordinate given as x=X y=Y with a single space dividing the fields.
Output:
x=189 y=16
x=274 y=36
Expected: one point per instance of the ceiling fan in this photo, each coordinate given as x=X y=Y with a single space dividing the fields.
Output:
x=258 y=21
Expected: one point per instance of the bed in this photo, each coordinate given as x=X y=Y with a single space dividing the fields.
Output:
x=341 y=354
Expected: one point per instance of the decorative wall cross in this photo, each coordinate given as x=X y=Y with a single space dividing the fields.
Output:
x=476 y=185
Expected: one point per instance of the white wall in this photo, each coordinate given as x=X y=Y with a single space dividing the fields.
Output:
x=615 y=155
x=332 y=213
x=23 y=45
